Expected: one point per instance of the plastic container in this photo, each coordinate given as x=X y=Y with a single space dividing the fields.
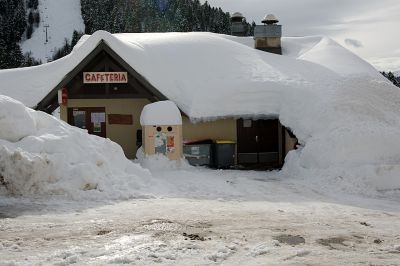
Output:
x=224 y=154
x=198 y=153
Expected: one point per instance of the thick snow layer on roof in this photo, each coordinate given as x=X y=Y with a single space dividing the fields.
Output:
x=160 y=113
x=320 y=50
x=198 y=70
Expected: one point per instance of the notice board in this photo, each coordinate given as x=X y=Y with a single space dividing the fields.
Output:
x=118 y=119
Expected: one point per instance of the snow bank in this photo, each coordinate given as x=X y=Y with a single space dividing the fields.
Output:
x=161 y=113
x=160 y=162
x=15 y=121
x=40 y=155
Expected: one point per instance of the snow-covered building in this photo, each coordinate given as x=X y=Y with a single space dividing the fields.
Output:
x=106 y=94
x=224 y=88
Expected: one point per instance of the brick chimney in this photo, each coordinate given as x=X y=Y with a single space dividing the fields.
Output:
x=268 y=36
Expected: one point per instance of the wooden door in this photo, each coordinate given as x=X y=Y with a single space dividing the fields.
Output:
x=268 y=142
x=258 y=142
x=93 y=119
x=247 y=148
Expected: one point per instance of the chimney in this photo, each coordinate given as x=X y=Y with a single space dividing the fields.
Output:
x=268 y=36
x=238 y=25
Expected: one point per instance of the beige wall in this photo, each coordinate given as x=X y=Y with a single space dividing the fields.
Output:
x=224 y=129
x=124 y=135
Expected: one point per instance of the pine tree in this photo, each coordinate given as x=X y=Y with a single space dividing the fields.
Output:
x=68 y=46
x=29 y=31
x=75 y=38
x=31 y=19
x=30 y=61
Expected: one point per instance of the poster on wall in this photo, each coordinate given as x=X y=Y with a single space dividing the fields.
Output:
x=79 y=118
x=160 y=142
x=96 y=127
x=170 y=144
x=98 y=117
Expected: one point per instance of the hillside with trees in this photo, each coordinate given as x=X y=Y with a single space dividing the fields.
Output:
x=117 y=16
x=153 y=16
x=19 y=18
x=13 y=24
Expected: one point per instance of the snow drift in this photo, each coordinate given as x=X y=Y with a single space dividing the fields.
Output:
x=41 y=155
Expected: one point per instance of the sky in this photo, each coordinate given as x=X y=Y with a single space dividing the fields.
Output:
x=369 y=28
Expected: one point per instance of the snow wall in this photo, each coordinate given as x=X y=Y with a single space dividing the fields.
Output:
x=41 y=155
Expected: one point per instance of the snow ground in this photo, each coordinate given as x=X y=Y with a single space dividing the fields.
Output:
x=229 y=218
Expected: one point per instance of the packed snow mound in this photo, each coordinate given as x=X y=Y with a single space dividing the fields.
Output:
x=54 y=158
x=161 y=113
x=16 y=120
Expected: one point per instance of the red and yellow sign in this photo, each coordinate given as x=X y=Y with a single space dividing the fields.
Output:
x=105 y=77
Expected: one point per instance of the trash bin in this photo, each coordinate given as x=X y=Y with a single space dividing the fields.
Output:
x=224 y=154
x=198 y=153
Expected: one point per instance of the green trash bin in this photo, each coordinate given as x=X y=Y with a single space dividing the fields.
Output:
x=198 y=154
x=224 y=154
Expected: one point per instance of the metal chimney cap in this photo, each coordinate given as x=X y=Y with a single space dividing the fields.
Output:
x=270 y=19
x=237 y=15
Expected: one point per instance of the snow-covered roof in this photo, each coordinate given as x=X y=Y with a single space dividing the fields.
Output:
x=205 y=74
x=160 y=113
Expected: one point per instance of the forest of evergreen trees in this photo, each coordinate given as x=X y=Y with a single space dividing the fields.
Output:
x=13 y=24
x=153 y=16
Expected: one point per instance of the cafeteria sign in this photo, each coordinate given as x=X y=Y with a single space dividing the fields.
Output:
x=105 y=77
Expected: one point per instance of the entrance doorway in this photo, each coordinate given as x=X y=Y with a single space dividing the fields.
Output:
x=93 y=119
x=258 y=143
